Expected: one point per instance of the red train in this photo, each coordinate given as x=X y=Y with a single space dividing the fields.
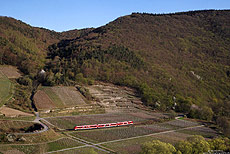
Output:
x=107 y=125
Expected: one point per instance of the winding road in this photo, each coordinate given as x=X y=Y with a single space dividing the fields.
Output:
x=38 y=121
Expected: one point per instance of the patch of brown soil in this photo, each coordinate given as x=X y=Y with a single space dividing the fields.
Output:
x=9 y=112
x=42 y=101
x=15 y=151
x=10 y=71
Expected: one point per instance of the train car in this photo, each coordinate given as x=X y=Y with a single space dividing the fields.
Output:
x=107 y=125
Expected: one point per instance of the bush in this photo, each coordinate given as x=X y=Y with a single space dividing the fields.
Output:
x=158 y=147
x=199 y=144
x=224 y=124
x=25 y=80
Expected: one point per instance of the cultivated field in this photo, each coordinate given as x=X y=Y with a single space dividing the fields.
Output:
x=69 y=96
x=55 y=145
x=62 y=144
x=6 y=89
x=176 y=124
x=128 y=139
x=133 y=146
x=71 y=121
x=104 y=135
x=42 y=101
x=203 y=131
x=58 y=97
x=114 y=98
x=53 y=96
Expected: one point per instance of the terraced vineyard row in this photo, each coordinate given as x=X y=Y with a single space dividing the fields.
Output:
x=103 y=135
x=176 y=124
x=203 y=131
x=58 y=97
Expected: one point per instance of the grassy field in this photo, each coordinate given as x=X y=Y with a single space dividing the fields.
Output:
x=6 y=89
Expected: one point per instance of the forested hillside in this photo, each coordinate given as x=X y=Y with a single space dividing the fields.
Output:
x=183 y=56
x=176 y=61
x=25 y=46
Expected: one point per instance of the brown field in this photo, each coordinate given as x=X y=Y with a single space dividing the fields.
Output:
x=172 y=137
x=109 y=134
x=69 y=96
x=42 y=101
x=9 y=112
x=10 y=71
x=58 y=97
x=203 y=131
